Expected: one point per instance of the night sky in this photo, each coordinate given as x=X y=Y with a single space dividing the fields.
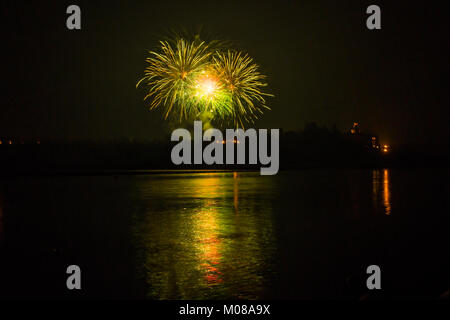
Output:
x=322 y=63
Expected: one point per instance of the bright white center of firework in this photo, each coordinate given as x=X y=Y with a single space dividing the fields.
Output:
x=207 y=87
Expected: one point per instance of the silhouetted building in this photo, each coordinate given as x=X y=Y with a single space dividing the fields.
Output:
x=364 y=139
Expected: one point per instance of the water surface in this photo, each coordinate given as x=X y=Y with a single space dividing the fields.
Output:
x=226 y=235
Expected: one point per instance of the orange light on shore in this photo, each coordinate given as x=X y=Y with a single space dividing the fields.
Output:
x=227 y=141
x=385 y=148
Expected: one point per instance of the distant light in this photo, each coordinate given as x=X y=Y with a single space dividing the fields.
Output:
x=228 y=141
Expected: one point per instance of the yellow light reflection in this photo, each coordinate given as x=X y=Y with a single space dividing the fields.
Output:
x=206 y=229
x=206 y=233
x=381 y=190
x=386 y=192
x=194 y=245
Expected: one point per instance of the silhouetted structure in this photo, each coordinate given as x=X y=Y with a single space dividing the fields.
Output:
x=312 y=147
x=364 y=139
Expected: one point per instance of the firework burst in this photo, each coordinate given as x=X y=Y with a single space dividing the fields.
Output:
x=193 y=79
x=240 y=77
x=171 y=75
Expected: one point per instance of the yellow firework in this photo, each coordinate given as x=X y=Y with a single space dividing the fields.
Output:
x=240 y=77
x=193 y=78
x=171 y=75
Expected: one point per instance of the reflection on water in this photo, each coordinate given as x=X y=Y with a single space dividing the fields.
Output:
x=386 y=193
x=198 y=238
x=304 y=234
x=381 y=185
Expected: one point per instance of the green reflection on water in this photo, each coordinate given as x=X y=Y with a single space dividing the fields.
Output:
x=206 y=235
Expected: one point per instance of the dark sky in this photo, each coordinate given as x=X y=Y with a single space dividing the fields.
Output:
x=322 y=63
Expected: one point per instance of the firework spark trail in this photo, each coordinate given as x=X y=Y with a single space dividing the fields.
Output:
x=193 y=79
x=172 y=72
x=240 y=76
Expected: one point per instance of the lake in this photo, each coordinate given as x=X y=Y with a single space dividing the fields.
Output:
x=226 y=235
